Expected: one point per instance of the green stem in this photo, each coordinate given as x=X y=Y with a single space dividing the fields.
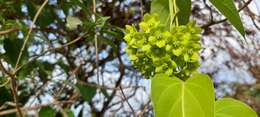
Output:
x=171 y=13
x=175 y=13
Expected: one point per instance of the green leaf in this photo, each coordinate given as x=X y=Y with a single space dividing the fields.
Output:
x=86 y=92
x=228 y=107
x=27 y=70
x=31 y=9
x=46 y=17
x=45 y=69
x=104 y=92
x=5 y=94
x=2 y=40
x=108 y=41
x=101 y=21
x=173 y=97
x=162 y=7
x=184 y=11
x=69 y=112
x=63 y=65
x=73 y=22
x=12 y=48
x=47 y=111
x=228 y=9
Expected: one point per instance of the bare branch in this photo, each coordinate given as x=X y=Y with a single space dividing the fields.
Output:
x=4 y=32
x=26 y=109
x=127 y=101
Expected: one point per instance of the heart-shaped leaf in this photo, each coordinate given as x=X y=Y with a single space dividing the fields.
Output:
x=173 y=97
x=228 y=107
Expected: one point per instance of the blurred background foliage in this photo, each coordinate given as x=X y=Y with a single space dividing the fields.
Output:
x=58 y=69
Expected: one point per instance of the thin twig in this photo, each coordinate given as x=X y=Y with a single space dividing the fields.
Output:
x=2 y=68
x=13 y=80
x=131 y=108
x=13 y=88
x=210 y=9
x=121 y=69
x=145 y=108
x=5 y=83
x=8 y=31
x=15 y=96
x=101 y=86
x=6 y=104
x=96 y=40
x=29 y=32
x=141 y=9
x=12 y=30
x=25 y=109
x=49 y=50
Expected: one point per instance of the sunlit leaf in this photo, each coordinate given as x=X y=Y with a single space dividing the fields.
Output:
x=73 y=22
x=228 y=107
x=173 y=97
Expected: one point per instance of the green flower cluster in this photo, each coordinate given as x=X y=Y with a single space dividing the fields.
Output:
x=154 y=49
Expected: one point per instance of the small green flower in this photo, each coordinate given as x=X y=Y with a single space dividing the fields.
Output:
x=153 y=49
